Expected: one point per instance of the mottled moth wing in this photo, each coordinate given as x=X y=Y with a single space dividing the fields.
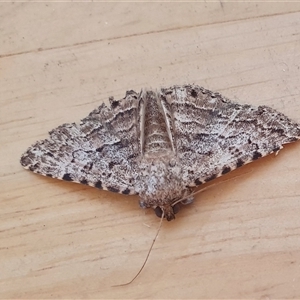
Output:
x=214 y=135
x=101 y=151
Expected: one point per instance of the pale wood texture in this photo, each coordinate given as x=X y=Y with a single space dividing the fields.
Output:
x=58 y=61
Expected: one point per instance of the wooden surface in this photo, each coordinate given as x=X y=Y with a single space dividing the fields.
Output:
x=58 y=61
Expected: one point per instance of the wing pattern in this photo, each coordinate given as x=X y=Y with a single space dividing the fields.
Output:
x=215 y=135
x=101 y=151
x=209 y=134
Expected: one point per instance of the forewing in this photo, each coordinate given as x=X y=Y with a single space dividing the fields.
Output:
x=214 y=135
x=101 y=151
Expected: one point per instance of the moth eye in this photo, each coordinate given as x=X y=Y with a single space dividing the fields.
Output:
x=158 y=211
x=176 y=208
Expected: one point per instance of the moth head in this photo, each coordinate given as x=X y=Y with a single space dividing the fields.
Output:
x=169 y=208
x=169 y=211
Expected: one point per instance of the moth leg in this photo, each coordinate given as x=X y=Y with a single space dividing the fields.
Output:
x=143 y=204
x=187 y=200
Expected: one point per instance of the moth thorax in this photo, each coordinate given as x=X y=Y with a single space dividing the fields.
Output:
x=160 y=181
x=156 y=138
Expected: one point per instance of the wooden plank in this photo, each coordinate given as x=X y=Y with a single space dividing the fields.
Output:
x=58 y=61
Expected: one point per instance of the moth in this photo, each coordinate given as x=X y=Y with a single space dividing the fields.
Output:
x=160 y=144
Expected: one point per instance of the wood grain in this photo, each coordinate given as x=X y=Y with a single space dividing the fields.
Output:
x=58 y=61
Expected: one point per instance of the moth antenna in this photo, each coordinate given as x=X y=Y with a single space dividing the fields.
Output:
x=148 y=254
x=195 y=193
x=207 y=187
